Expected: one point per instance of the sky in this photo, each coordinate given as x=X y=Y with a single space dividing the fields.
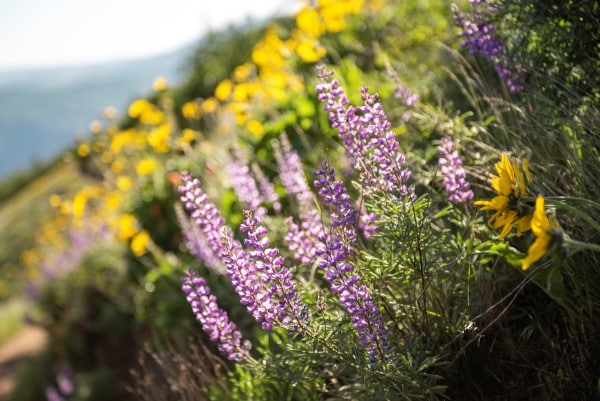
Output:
x=58 y=33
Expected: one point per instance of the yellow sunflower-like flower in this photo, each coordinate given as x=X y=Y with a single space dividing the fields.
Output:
x=546 y=231
x=511 y=185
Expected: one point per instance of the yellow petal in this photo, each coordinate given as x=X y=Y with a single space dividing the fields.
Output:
x=539 y=222
x=524 y=224
x=536 y=251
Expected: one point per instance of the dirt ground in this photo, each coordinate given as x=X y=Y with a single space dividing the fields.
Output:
x=15 y=351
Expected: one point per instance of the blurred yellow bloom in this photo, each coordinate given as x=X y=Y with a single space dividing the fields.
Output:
x=139 y=243
x=137 y=107
x=30 y=257
x=511 y=185
x=223 y=90
x=309 y=50
x=242 y=72
x=83 y=150
x=241 y=92
x=152 y=116
x=159 y=138
x=65 y=208
x=309 y=22
x=127 y=226
x=117 y=166
x=256 y=128
x=547 y=233
x=124 y=183
x=146 y=166
x=241 y=118
x=79 y=203
x=188 y=136
x=191 y=110
x=210 y=105
x=113 y=200
x=55 y=200
x=159 y=84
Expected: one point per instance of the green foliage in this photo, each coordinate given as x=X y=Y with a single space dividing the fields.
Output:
x=464 y=321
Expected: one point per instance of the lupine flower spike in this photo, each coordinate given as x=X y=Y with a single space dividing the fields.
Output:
x=280 y=289
x=214 y=321
x=202 y=211
x=336 y=252
x=451 y=166
x=302 y=238
x=367 y=136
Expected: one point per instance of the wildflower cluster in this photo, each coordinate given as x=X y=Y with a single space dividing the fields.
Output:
x=478 y=38
x=367 y=136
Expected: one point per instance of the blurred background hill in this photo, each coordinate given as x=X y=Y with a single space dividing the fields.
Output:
x=43 y=110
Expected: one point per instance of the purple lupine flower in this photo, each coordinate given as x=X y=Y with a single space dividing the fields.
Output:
x=367 y=225
x=479 y=39
x=266 y=188
x=202 y=211
x=451 y=166
x=302 y=238
x=244 y=184
x=52 y=394
x=367 y=136
x=402 y=92
x=247 y=280
x=288 y=310
x=214 y=320
x=336 y=253
x=197 y=243
x=64 y=381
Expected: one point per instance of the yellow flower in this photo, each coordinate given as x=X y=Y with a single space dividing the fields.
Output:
x=139 y=243
x=546 y=231
x=308 y=21
x=83 y=150
x=242 y=72
x=223 y=90
x=191 y=110
x=146 y=166
x=55 y=200
x=210 y=105
x=159 y=84
x=188 y=136
x=137 y=107
x=511 y=186
x=124 y=183
x=310 y=50
x=255 y=128
x=113 y=200
x=127 y=226
x=159 y=138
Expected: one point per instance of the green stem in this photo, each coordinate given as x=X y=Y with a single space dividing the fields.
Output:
x=581 y=245
x=575 y=199
x=578 y=212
